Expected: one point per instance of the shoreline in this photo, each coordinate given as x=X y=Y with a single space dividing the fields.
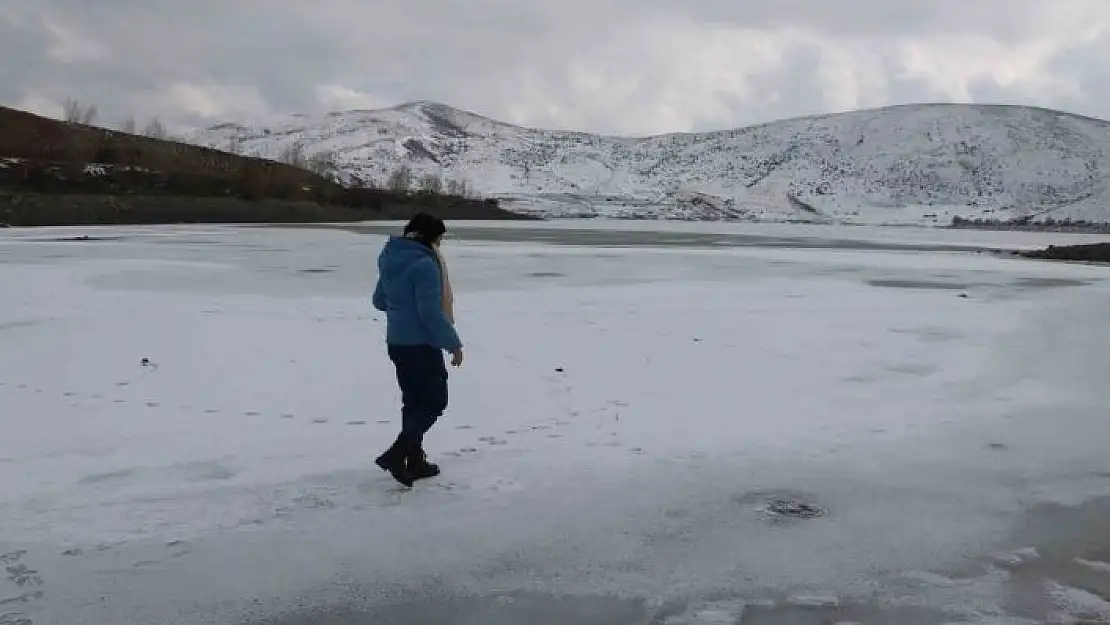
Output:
x=31 y=210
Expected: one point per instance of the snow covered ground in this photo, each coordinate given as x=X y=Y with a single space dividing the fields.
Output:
x=622 y=421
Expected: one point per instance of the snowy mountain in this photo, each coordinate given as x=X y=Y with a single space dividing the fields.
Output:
x=903 y=164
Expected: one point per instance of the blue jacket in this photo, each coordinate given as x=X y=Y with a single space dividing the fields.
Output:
x=410 y=292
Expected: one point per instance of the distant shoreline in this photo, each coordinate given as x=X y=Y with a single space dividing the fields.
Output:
x=1087 y=228
x=36 y=210
x=1093 y=253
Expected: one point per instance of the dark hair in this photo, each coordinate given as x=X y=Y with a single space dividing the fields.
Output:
x=425 y=227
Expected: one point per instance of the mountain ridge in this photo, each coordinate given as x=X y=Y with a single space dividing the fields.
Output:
x=923 y=163
x=419 y=103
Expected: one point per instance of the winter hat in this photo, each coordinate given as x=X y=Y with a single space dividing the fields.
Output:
x=425 y=227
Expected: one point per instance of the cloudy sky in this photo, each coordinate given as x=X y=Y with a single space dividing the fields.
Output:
x=616 y=66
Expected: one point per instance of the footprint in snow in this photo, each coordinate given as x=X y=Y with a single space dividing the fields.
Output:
x=464 y=427
x=356 y=422
x=211 y=411
x=492 y=440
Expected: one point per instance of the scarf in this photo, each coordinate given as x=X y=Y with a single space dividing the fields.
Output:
x=448 y=294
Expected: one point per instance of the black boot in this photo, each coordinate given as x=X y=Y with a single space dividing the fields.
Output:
x=393 y=461
x=418 y=466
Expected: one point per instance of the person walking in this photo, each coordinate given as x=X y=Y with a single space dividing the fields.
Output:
x=414 y=292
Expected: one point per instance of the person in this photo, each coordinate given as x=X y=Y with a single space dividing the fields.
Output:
x=414 y=292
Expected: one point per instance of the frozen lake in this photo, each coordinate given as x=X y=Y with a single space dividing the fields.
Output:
x=632 y=408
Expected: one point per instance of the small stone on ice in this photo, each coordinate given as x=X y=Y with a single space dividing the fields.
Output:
x=1016 y=558
x=794 y=508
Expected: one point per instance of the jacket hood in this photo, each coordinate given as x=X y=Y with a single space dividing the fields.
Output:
x=399 y=253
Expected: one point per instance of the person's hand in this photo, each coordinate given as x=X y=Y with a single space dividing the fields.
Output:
x=456 y=357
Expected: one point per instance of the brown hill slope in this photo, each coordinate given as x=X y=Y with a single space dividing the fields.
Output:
x=59 y=173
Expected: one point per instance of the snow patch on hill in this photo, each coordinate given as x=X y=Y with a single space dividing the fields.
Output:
x=912 y=164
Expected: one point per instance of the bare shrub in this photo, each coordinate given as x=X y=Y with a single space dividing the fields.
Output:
x=293 y=154
x=400 y=180
x=155 y=129
x=76 y=113
x=457 y=188
x=323 y=164
x=431 y=183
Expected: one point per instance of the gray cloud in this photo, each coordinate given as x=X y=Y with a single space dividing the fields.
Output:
x=1004 y=19
x=627 y=66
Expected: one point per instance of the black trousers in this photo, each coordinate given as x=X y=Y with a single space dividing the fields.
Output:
x=422 y=376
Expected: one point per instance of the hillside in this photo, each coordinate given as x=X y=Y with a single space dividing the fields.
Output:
x=1089 y=253
x=58 y=173
x=906 y=164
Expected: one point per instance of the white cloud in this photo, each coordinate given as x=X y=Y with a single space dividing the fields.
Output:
x=337 y=97
x=36 y=103
x=209 y=101
x=68 y=46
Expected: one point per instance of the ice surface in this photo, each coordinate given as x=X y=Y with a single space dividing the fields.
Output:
x=613 y=438
x=1076 y=603
x=1103 y=567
